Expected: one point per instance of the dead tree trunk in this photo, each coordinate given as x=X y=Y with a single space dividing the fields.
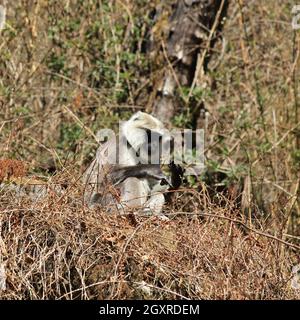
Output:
x=182 y=43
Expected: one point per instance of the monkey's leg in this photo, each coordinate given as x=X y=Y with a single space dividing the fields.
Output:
x=155 y=205
x=134 y=193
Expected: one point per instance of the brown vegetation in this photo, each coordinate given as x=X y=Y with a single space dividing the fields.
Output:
x=11 y=168
x=58 y=249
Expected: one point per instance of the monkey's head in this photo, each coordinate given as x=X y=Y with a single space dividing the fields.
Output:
x=143 y=129
x=145 y=121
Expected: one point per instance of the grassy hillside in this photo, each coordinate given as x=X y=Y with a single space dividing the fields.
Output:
x=69 y=68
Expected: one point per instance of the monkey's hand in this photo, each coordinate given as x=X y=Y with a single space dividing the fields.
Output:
x=176 y=175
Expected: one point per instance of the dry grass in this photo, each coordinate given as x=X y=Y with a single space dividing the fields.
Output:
x=68 y=69
x=58 y=249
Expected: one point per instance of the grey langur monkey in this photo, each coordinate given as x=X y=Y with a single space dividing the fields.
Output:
x=132 y=183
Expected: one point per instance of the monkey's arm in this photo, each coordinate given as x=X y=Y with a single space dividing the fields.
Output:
x=140 y=171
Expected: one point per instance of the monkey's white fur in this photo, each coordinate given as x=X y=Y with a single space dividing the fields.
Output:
x=140 y=186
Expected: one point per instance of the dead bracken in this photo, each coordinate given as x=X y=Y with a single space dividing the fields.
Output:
x=10 y=168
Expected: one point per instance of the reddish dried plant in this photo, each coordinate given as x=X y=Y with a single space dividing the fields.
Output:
x=12 y=168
